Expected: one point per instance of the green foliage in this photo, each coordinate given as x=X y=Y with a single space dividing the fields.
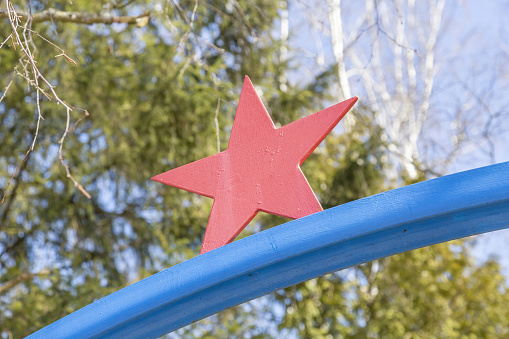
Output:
x=435 y=292
x=153 y=95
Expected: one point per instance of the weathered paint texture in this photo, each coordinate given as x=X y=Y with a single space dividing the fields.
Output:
x=259 y=171
x=396 y=221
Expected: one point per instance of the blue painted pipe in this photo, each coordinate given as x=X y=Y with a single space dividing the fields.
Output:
x=396 y=221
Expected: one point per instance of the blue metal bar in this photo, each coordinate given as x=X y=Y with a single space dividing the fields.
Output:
x=396 y=221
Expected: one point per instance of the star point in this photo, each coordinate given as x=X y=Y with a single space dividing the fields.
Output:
x=260 y=169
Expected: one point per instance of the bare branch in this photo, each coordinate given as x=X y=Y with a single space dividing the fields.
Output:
x=7 y=88
x=21 y=278
x=32 y=74
x=61 y=158
x=82 y=18
x=85 y=114
x=217 y=125
x=14 y=174
x=7 y=39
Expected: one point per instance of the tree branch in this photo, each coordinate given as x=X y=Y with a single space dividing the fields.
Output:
x=82 y=18
x=21 y=278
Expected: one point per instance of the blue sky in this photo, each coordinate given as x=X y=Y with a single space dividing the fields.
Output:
x=474 y=55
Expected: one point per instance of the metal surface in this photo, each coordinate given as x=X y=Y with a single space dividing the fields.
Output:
x=396 y=221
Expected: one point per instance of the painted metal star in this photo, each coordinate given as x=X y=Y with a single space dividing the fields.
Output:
x=260 y=169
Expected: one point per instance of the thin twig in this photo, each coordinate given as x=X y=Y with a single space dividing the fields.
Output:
x=81 y=17
x=216 y=116
x=21 y=278
x=85 y=114
x=7 y=39
x=216 y=120
x=13 y=175
x=61 y=158
x=245 y=18
x=29 y=62
x=54 y=45
x=7 y=88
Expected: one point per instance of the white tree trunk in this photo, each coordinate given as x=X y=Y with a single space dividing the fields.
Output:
x=392 y=58
x=283 y=53
x=336 y=26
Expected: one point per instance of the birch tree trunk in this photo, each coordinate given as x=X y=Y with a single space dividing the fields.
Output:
x=390 y=53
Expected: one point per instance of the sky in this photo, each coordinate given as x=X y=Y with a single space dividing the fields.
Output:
x=488 y=21
x=473 y=54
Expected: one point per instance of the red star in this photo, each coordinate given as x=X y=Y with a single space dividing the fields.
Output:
x=260 y=169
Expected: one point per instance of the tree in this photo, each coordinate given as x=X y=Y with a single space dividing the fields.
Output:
x=388 y=51
x=159 y=96
x=415 y=64
x=435 y=292
x=153 y=98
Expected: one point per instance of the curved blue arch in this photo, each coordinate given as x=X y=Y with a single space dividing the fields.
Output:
x=396 y=221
